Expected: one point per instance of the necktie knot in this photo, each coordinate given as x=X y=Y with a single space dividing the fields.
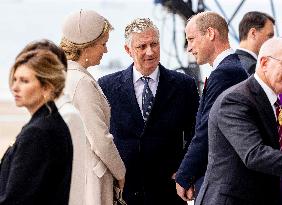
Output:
x=277 y=104
x=145 y=80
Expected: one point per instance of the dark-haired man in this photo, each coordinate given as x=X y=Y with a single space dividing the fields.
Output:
x=254 y=29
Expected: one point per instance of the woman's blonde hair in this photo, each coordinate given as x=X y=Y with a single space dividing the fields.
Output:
x=73 y=50
x=48 y=69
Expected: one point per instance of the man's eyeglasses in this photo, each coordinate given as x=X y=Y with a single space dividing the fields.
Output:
x=274 y=58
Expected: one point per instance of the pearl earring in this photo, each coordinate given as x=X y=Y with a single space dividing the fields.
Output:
x=86 y=59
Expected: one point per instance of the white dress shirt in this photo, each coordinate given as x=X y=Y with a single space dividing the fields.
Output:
x=272 y=97
x=139 y=85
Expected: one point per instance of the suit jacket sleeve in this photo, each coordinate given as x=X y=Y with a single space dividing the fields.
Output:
x=87 y=99
x=194 y=164
x=31 y=160
x=237 y=123
x=189 y=128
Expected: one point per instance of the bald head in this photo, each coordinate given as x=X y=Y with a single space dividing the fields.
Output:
x=269 y=65
x=271 y=47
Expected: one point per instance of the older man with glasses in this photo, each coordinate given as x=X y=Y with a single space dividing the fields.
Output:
x=245 y=158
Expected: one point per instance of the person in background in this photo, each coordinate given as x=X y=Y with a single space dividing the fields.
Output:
x=72 y=117
x=207 y=36
x=37 y=168
x=153 y=115
x=85 y=35
x=254 y=29
x=244 y=135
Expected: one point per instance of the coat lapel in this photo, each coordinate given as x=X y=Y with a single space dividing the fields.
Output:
x=127 y=91
x=265 y=108
x=165 y=91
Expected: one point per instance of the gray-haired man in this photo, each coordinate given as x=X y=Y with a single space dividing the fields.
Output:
x=153 y=114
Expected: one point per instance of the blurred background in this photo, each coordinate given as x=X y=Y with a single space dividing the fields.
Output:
x=22 y=21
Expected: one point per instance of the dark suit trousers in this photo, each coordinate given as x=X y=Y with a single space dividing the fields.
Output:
x=154 y=196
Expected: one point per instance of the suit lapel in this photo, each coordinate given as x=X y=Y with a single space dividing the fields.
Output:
x=127 y=91
x=265 y=109
x=165 y=91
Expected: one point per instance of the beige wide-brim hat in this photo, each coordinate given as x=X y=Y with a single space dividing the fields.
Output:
x=83 y=26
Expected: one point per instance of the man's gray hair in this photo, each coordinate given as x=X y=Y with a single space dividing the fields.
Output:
x=138 y=25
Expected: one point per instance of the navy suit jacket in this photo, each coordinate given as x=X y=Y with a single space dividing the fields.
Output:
x=247 y=60
x=153 y=151
x=229 y=72
x=244 y=161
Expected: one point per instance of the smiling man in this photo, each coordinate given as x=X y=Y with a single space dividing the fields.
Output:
x=207 y=36
x=153 y=115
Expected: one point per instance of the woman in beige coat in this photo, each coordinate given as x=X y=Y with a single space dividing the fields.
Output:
x=85 y=34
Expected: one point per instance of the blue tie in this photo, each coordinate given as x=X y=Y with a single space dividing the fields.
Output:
x=147 y=98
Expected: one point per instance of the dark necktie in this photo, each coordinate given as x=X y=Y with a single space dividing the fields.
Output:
x=277 y=106
x=147 y=98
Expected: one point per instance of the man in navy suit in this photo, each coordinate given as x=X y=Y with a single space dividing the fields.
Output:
x=207 y=36
x=244 y=161
x=254 y=29
x=153 y=113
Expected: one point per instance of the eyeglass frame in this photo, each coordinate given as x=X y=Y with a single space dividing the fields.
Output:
x=274 y=58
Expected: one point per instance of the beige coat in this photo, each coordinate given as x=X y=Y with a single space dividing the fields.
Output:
x=72 y=118
x=103 y=161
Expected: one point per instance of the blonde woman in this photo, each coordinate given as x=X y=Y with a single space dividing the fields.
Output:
x=37 y=168
x=85 y=35
x=72 y=118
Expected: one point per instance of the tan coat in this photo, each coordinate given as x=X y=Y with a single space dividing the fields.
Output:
x=103 y=161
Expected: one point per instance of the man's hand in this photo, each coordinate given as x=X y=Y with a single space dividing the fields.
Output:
x=190 y=193
x=186 y=195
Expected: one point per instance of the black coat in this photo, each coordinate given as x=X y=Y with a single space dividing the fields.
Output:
x=247 y=60
x=153 y=151
x=36 y=170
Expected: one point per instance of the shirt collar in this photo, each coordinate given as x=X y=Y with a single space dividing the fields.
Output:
x=137 y=75
x=250 y=52
x=272 y=97
x=221 y=56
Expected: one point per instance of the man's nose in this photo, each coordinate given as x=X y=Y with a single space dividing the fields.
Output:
x=149 y=51
x=189 y=48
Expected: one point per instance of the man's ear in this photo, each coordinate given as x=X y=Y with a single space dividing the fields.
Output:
x=211 y=33
x=263 y=63
x=127 y=49
x=252 y=33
